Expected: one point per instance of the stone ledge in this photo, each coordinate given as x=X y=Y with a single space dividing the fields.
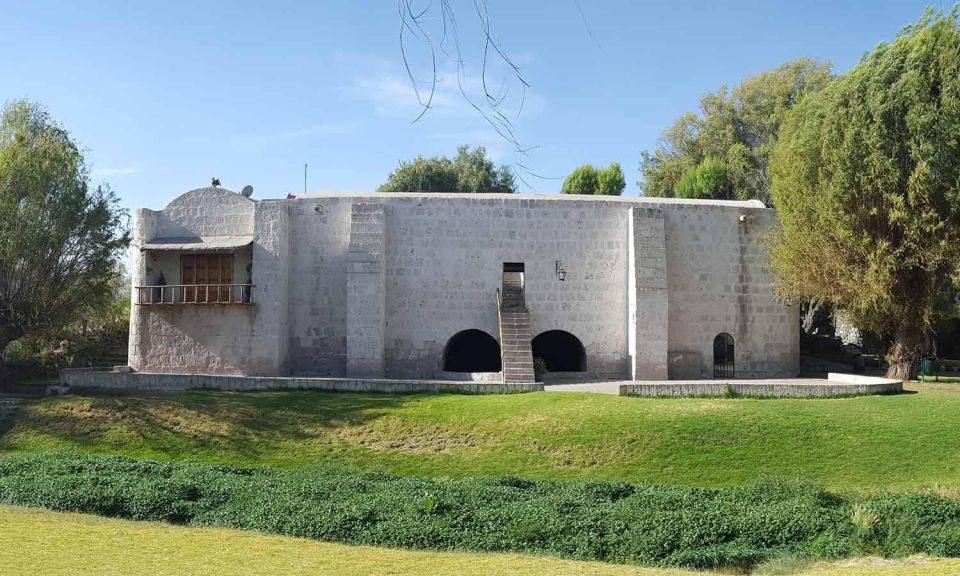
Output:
x=155 y=382
x=834 y=386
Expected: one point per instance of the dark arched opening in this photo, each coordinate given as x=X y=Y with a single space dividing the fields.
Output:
x=723 y=366
x=561 y=351
x=472 y=351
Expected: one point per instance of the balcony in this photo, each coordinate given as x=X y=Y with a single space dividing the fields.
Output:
x=194 y=294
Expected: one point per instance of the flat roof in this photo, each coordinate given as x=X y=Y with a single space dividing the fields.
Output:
x=538 y=197
x=197 y=244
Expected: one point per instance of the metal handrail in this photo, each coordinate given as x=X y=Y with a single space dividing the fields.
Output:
x=194 y=294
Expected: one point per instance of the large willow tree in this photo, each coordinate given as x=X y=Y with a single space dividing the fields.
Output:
x=59 y=238
x=866 y=179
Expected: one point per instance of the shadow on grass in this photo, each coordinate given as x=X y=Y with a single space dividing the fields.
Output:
x=224 y=426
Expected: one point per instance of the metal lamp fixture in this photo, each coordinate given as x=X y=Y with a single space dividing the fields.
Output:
x=560 y=272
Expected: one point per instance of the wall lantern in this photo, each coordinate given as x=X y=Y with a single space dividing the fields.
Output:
x=560 y=272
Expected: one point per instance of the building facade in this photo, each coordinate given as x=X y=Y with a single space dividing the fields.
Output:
x=457 y=286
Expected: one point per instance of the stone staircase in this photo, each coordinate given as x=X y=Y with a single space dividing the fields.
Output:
x=515 y=349
x=116 y=356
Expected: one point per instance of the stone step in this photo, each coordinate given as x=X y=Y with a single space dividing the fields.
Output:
x=517 y=357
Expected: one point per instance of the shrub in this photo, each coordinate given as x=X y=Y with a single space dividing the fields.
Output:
x=616 y=522
x=539 y=368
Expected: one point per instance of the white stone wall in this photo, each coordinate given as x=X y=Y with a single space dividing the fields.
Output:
x=366 y=318
x=318 y=281
x=207 y=212
x=718 y=281
x=444 y=263
x=648 y=295
x=190 y=338
x=271 y=290
x=649 y=284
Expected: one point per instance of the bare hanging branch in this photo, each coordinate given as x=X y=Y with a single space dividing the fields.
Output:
x=413 y=27
x=500 y=77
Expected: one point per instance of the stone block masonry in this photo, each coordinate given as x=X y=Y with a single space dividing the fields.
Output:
x=648 y=294
x=365 y=291
x=377 y=285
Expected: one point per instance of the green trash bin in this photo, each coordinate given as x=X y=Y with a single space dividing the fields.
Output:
x=928 y=366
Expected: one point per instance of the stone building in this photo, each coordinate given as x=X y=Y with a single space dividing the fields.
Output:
x=458 y=287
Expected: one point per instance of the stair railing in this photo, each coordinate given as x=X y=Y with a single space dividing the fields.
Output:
x=503 y=371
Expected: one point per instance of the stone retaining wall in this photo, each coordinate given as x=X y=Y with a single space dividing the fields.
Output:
x=141 y=381
x=834 y=385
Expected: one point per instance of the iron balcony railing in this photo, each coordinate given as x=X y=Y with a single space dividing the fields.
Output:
x=194 y=294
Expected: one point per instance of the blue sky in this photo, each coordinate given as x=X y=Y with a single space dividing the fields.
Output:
x=166 y=95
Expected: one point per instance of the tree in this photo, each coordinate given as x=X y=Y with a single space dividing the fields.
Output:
x=469 y=171
x=706 y=180
x=59 y=239
x=866 y=179
x=736 y=128
x=610 y=180
x=712 y=178
x=588 y=179
x=686 y=186
x=583 y=180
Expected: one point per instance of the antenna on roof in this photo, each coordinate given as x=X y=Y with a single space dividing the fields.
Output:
x=304 y=177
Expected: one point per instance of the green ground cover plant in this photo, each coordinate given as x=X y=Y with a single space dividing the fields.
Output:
x=904 y=442
x=584 y=520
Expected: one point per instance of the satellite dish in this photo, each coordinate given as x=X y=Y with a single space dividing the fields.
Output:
x=247 y=191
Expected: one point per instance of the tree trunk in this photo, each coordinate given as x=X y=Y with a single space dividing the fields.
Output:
x=811 y=315
x=903 y=357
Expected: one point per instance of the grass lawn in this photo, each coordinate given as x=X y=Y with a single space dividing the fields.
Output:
x=898 y=442
x=58 y=544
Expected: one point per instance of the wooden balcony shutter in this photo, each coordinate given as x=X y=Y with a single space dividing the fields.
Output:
x=188 y=275
x=226 y=277
x=206 y=271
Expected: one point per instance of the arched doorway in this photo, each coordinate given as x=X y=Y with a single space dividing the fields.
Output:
x=561 y=351
x=472 y=351
x=723 y=366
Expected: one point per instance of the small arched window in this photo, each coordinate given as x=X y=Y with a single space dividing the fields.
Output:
x=723 y=366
